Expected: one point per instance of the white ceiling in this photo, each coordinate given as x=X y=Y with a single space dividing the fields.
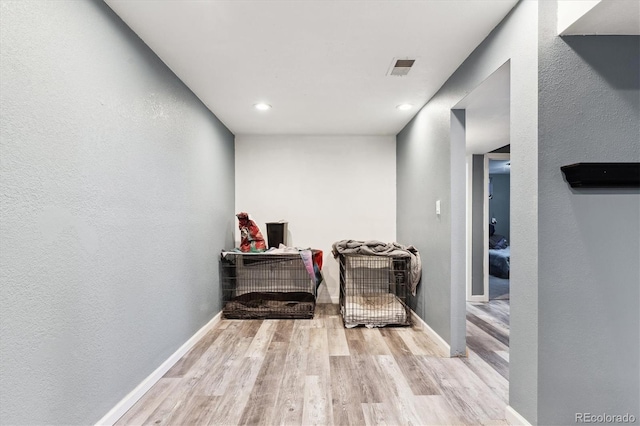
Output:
x=599 y=17
x=321 y=64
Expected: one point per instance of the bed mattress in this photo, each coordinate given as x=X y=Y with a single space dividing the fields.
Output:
x=499 y=262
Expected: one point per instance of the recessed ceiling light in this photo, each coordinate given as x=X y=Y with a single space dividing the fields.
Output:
x=404 y=107
x=262 y=107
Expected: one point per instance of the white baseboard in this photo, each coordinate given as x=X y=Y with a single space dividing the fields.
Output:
x=478 y=298
x=442 y=344
x=514 y=418
x=128 y=401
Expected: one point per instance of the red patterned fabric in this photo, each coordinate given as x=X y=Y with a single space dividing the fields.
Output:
x=317 y=258
x=251 y=240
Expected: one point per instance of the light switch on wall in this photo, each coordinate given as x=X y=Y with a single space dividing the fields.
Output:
x=438 y=207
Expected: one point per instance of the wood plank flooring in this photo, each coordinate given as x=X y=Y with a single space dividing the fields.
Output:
x=488 y=333
x=316 y=372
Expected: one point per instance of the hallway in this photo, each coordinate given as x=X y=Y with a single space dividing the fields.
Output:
x=318 y=372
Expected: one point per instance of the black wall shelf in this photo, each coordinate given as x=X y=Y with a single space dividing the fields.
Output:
x=602 y=175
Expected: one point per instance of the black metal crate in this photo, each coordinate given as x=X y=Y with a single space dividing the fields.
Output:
x=266 y=286
x=373 y=290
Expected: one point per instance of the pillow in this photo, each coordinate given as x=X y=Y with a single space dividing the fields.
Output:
x=498 y=242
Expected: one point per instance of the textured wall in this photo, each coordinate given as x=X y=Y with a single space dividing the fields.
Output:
x=589 y=239
x=116 y=188
x=477 y=228
x=328 y=188
x=499 y=204
x=425 y=162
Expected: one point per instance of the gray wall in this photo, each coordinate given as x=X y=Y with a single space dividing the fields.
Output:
x=477 y=226
x=426 y=160
x=117 y=193
x=589 y=239
x=499 y=203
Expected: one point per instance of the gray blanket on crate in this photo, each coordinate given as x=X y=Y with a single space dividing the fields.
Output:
x=379 y=248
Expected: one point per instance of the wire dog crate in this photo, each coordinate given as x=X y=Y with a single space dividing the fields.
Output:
x=373 y=290
x=266 y=286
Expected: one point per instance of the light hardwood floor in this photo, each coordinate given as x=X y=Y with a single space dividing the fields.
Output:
x=488 y=333
x=306 y=372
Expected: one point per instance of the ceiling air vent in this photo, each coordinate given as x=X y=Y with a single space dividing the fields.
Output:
x=401 y=67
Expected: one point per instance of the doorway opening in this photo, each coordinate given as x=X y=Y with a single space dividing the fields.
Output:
x=487 y=146
x=497 y=205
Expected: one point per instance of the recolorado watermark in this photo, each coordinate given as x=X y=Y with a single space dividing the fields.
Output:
x=605 y=418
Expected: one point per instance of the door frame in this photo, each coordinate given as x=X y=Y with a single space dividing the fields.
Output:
x=485 y=213
x=471 y=213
